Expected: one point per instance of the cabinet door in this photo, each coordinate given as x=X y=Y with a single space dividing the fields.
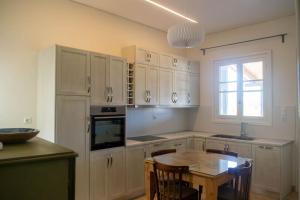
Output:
x=99 y=163
x=194 y=90
x=199 y=144
x=267 y=167
x=153 y=84
x=99 y=79
x=142 y=56
x=117 y=80
x=179 y=145
x=159 y=146
x=116 y=175
x=165 y=61
x=165 y=86
x=243 y=149
x=140 y=84
x=72 y=72
x=215 y=144
x=154 y=58
x=71 y=131
x=135 y=170
x=181 y=87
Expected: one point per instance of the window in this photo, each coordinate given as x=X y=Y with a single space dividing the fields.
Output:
x=243 y=89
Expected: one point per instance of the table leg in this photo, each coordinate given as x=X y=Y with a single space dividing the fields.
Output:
x=147 y=181
x=211 y=190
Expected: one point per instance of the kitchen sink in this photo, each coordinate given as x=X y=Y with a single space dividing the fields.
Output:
x=238 y=137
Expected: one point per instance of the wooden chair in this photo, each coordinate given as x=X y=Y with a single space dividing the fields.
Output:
x=241 y=186
x=228 y=153
x=162 y=152
x=169 y=183
x=152 y=178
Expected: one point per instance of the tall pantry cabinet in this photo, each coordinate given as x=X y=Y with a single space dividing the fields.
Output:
x=65 y=89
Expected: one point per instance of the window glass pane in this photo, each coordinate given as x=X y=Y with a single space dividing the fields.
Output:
x=228 y=103
x=252 y=85
x=228 y=73
x=253 y=71
x=253 y=104
x=228 y=86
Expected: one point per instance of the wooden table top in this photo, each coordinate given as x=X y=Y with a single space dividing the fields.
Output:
x=201 y=163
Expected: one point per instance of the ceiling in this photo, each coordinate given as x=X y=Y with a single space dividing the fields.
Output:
x=214 y=15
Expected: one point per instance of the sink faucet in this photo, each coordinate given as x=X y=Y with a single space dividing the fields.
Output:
x=243 y=129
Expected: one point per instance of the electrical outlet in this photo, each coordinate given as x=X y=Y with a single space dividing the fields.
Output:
x=27 y=120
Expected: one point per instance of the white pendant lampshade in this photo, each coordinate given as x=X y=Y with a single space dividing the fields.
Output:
x=186 y=35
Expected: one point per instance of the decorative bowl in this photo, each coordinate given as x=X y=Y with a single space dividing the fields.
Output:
x=17 y=135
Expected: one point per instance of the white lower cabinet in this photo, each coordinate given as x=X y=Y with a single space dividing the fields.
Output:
x=272 y=170
x=243 y=149
x=180 y=145
x=199 y=144
x=159 y=146
x=135 y=157
x=107 y=174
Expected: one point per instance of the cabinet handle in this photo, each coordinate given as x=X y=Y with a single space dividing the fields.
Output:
x=146 y=96
x=189 y=98
x=107 y=164
x=111 y=94
x=175 y=97
x=172 y=97
x=88 y=125
x=89 y=84
x=107 y=94
x=149 y=96
x=111 y=160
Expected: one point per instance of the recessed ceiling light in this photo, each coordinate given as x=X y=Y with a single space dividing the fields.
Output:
x=171 y=11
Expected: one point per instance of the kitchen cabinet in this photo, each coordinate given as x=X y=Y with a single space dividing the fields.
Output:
x=180 y=145
x=166 y=82
x=108 y=80
x=272 y=169
x=176 y=84
x=194 y=90
x=72 y=132
x=107 y=172
x=147 y=91
x=199 y=144
x=135 y=157
x=243 y=149
x=157 y=146
x=72 y=71
x=181 y=88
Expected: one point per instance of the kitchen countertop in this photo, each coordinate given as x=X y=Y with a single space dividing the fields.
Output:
x=205 y=135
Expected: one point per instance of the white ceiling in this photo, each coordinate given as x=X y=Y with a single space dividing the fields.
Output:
x=215 y=15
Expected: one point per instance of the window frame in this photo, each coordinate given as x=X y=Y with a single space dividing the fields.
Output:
x=265 y=56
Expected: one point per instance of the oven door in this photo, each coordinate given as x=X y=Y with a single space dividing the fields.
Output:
x=107 y=132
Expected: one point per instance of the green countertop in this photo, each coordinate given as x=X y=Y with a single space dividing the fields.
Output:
x=34 y=149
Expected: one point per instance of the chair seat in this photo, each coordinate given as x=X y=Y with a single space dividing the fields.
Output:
x=187 y=194
x=226 y=192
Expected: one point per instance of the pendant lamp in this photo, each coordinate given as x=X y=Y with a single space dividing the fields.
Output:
x=185 y=35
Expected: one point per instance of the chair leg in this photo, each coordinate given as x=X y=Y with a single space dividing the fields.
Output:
x=152 y=186
x=200 y=191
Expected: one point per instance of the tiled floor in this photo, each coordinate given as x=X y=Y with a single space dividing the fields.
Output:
x=293 y=196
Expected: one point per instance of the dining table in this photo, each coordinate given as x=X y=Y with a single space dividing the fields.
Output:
x=209 y=170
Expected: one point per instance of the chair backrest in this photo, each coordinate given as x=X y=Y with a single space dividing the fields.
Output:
x=162 y=152
x=242 y=181
x=168 y=180
x=228 y=153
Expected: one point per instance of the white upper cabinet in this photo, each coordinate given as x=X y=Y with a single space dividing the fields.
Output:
x=117 y=80
x=99 y=79
x=193 y=95
x=165 y=61
x=181 y=88
x=108 y=80
x=72 y=71
x=166 y=82
x=161 y=79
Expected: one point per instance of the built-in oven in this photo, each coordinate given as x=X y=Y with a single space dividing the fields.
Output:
x=107 y=127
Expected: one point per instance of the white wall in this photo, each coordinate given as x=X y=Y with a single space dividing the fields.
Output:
x=28 y=26
x=284 y=76
x=146 y=121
